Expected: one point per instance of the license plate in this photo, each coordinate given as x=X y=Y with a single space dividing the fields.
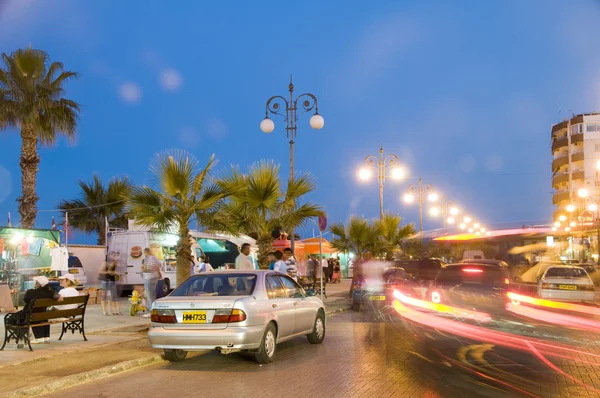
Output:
x=194 y=317
x=567 y=287
x=378 y=298
x=73 y=271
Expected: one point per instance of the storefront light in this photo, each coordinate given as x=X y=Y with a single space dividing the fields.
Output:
x=572 y=224
x=557 y=224
x=562 y=218
x=567 y=229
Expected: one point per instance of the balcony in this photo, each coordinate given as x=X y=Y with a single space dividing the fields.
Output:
x=576 y=138
x=560 y=178
x=561 y=161
x=576 y=156
x=560 y=143
x=578 y=174
x=560 y=196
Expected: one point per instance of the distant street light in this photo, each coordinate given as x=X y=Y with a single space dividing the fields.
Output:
x=419 y=191
x=291 y=119
x=382 y=165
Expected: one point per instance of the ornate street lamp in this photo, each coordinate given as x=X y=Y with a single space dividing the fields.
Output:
x=382 y=165
x=420 y=191
x=308 y=102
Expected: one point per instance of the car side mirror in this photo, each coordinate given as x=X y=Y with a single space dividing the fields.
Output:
x=310 y=293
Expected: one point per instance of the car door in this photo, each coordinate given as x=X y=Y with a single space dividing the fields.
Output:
x=281 y=305
x=306 y=311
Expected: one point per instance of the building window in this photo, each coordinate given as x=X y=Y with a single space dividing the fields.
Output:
x=592 y=127
x=576 y=128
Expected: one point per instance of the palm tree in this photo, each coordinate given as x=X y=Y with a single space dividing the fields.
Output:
x=257 y=205
x=353 y=237
x=96 y=204
x=183 y=194
x=393 y=234
x=31 y=90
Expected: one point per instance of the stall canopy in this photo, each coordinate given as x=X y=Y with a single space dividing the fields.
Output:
x=311 y=246
x=53 y=236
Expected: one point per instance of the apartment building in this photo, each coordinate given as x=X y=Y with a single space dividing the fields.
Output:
x=575 y=153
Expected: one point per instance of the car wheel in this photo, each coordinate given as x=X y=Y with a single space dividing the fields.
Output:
x=268 y=344
x=175 y=355
x=318 y=334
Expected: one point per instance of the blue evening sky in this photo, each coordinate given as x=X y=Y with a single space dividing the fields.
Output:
x=464 y=92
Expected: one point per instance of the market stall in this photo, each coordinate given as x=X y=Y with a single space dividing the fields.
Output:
x=25 y=253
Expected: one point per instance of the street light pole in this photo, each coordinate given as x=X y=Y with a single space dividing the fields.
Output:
x=420 y=190
x=382 y=164
x=274 y=106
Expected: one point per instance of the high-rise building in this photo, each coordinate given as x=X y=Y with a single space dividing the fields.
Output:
x=576 y=154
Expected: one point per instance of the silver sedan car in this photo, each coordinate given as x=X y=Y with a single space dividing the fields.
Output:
x=230 y=311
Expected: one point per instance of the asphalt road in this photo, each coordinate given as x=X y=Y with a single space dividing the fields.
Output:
x=360 y=358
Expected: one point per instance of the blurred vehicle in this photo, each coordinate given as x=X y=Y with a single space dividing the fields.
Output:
x=473 y=255
x=499 y=263
x=422 y=271
x=231 y=311
x=393 y=278
x=566 y=283
x=477 y=286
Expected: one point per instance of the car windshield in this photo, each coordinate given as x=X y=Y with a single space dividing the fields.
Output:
x=215 y=284
x=470 y=275
x=563 y=272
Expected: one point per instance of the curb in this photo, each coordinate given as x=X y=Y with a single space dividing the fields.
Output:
x=67 y=350
x=86 y=377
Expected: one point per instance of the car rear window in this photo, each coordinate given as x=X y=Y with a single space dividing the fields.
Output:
x=74 y=262
x=470 y=275
x=396 y=275
x=216 y=284
x=562 y=272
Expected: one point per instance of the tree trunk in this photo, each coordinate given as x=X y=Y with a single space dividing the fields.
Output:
x=184 y=255
x=29 y=163
x=265 y=245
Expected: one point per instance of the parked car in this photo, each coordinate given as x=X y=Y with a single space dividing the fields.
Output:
x=566 y=283
x=472 y=286
x=231 y=311
x=76 y=269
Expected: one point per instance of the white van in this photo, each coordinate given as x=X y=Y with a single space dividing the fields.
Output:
x=130 y=245
x=473 y=255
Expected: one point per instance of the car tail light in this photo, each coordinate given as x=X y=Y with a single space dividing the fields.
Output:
x=506 y=281
x=163 y=316
x=472 y=270
x=436 y=298
x=548 y=286
x=228 y=316
x=237 y=316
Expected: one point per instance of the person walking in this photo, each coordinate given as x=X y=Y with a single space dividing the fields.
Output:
x=108 y=278
x=272 y=260
x=151 y=274
x=204 y=265
x=290 y=261
x=280 y=265
x=243 y=260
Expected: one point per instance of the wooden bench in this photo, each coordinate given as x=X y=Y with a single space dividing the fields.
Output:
x=70 y=319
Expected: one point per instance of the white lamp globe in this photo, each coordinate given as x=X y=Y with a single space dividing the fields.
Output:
x=317 y=122
x=267 y=125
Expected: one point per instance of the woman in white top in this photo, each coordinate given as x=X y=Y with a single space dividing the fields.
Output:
x=68 y=283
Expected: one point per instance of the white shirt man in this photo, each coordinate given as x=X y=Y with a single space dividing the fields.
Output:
x=324 y=265
x=243 y=260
